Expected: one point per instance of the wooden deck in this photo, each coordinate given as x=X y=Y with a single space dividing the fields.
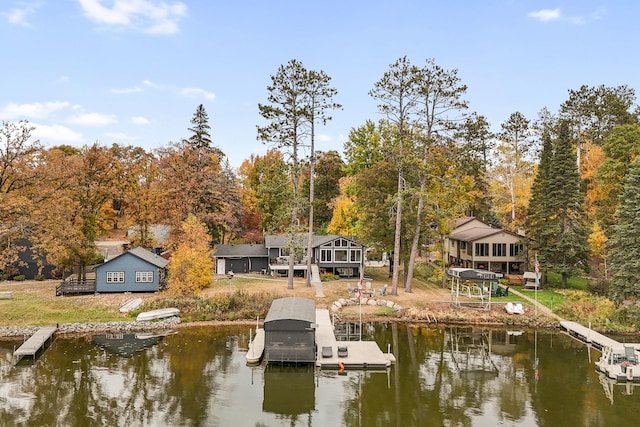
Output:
x=36 y=342
x=360 y=354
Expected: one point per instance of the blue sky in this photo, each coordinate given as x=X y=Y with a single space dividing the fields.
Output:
x=134 y=71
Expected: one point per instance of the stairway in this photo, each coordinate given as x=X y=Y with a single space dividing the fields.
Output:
x=315 y=280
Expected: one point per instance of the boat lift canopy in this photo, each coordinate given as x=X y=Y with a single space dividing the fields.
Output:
x=477 y=285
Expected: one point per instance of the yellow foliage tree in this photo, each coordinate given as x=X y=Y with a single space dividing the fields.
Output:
x=344 y=215
x=191 y=266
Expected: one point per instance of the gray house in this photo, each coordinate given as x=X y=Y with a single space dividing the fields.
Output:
x=333 y=254
x=137 y=270
x=289 y=331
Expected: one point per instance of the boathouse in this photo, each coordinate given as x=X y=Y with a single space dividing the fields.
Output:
x=290 y=331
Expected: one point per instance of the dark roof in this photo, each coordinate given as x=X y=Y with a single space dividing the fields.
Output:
x=292 y=308
x=144 y=255
x=282 y=240
x=472 y=274
x=240 y=250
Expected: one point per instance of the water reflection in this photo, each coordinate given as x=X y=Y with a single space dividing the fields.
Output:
x=458 y=376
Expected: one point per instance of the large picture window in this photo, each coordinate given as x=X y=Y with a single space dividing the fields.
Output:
x=341 y=255
x=115 y=276
x=325 y=255
x=355 y=255
x=482 y=249
x=144 y=276
x=499 y=249
x=515 y=249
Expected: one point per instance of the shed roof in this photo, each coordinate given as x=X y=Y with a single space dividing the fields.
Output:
x=472 y=274
x=240 y=250
x=292 y=308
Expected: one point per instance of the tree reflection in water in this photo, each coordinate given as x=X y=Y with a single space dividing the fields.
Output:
x=444 y=376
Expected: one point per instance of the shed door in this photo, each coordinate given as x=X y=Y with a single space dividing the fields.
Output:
x=220 y=267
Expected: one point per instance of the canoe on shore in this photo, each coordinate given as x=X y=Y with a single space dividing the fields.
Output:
x=157 y=314
x=130 y=305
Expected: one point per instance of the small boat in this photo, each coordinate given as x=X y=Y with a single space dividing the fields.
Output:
x=157 y=314
x=131 y=305
x=619 y=363
x=512 y=308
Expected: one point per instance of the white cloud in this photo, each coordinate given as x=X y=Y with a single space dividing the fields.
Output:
x=149 y=83
x=56 y=133
x=323 y=138
x=149 y=16
x=545 y=15
x=36 y=110
x=139 y=120
x=92 y=119
x=195 y=92
x=18 y=16
x=126 y=91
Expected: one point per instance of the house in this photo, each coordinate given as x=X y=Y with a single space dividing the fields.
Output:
x=478 y=245
x=137 y=270
x=333 y=254
x=289 y=331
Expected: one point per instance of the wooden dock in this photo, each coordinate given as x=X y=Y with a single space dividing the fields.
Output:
x=594 y=338
x=37 y=341
x=360 y=354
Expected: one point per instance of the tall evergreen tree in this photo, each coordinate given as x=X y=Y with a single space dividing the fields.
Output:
x=625 y=251
x=566 y=249
x=200 y=129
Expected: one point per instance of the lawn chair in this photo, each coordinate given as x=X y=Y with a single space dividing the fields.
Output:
x=383 y=290
x=350 y=289
x=630 y=355
x=369 y=290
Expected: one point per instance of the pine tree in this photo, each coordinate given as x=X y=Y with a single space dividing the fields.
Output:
x=625 y=252
x=565 y=235
x=201 y=137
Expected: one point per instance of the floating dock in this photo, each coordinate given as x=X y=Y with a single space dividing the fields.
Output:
x=37 y=341
x=359 y=354
x=331 y=353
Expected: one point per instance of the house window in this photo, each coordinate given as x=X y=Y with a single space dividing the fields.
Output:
x=482 y=249
x=499 y=249
x=355 y=255
x=284 y=251
x=115 y=276
x=341 y=243
x=341 y=255
x=144 y=276
x=515 y=249
x=325 y=255
x=463 y=246
x=470 y=249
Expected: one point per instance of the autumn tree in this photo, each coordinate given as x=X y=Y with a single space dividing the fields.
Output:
x=191 y=266
x=328 y=171
x=513 y=170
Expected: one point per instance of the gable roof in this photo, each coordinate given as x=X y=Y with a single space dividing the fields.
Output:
x=282 y=240
x=144 y=255
x=292 y=308
x=240 y=250
x=473 y=234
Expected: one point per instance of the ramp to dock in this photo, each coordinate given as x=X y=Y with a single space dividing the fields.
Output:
x=37 y=341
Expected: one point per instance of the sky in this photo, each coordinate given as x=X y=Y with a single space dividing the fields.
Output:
x=133 y=72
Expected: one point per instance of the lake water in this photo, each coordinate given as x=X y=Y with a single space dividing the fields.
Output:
x=445 y=376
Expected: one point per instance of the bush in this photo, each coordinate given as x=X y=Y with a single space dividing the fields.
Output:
x=327 y=277
x=598 y=287
x=19 y=278
x=39 y=277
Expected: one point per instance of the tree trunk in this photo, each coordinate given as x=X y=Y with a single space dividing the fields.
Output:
x=396 y=241
x=416 y=237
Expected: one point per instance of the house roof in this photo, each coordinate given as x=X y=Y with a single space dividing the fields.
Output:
x=292 y=308
x=240 y=250
x=282 y=240
x=475 y=233
x=144 y=255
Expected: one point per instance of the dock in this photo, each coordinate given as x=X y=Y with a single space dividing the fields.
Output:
x=589 y=336
x=35 y=342
x=359 y=354
x=256 y=347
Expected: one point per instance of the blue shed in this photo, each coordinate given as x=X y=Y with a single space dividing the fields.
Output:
x=137 y=270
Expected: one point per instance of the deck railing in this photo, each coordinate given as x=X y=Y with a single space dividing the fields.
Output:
x=76 y=286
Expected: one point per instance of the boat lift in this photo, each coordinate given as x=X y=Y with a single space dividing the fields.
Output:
x=476 y=285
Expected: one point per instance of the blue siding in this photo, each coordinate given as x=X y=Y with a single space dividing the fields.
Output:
x=129 y=264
